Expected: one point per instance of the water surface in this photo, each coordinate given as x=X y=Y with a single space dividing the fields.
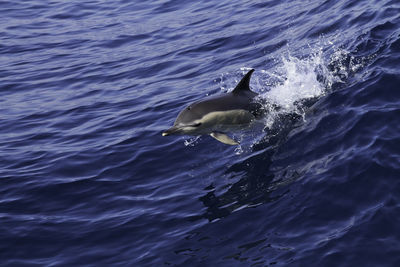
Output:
x=86 y=88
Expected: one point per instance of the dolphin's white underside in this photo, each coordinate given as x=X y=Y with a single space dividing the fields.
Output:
x=219 y=121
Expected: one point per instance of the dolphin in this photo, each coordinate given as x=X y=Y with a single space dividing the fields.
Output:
x=217 y=115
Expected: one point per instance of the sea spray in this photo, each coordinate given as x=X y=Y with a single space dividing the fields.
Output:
x=291 y=85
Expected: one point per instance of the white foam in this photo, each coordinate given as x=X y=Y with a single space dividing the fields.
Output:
x=293 y=80
x=299 y=81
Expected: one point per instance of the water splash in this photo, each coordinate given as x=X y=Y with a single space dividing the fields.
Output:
x=191 y=141
x=293 y=81
x=239 y=150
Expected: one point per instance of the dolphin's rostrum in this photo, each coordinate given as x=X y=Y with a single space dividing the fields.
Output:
x=217 y=115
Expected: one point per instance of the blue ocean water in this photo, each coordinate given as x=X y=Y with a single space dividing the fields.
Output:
x=87 y=87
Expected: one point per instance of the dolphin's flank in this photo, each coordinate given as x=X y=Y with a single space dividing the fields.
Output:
x=217 y=115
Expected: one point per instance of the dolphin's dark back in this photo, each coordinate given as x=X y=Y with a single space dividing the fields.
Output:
x=240 y=98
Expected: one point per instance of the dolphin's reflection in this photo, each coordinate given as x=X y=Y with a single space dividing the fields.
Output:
x=249 y=191
x=257 y=180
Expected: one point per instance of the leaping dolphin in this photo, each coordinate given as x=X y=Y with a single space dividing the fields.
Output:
x=217 y=115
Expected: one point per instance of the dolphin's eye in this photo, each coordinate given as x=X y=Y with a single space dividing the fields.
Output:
x=189 y=108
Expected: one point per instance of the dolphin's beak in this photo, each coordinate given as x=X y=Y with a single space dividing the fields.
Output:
x=170 y=131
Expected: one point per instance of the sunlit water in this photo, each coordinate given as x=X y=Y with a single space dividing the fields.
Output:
x=88 y=87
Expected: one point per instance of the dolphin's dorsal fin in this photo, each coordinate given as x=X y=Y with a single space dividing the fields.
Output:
x=244 y=84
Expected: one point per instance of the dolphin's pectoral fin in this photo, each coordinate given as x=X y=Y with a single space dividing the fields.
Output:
x=223 y=138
